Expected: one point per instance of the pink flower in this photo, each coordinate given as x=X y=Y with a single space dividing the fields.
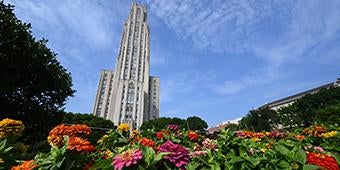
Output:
x=198 y=153
x=127 y=158
x=319 y=149
x=210 y=144
x=173 y=127
x=277 y=134
x=178 y=154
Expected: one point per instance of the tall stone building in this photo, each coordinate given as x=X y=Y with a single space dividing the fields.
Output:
x=129 y=94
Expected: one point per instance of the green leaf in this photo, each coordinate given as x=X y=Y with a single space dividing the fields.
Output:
x=336 y=156
x=192 y=166
x=235 y=159
x=283 y=164
x=176 y=140
x=160 y=156
x=282 y=150
x=8 y=149
x=300 y=156
x=311 y=167
x=216 y=167
x=253 y=161
x=102 y=164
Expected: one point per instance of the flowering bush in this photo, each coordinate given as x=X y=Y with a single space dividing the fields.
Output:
x=316 y=147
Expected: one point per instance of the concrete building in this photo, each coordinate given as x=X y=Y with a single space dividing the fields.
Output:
x=129 y=94
x=277 y=104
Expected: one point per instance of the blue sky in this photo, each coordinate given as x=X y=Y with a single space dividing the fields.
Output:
x=216 y=59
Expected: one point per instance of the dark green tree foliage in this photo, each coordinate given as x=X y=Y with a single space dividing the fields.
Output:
x=93 y=121
x=196 y=123
x=33 y=86
x=162 y=123
x=321 y=107
x=262 y=119
x=328 y=115
x=232 y=126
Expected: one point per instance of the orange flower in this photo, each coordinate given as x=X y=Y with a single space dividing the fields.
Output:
x=27 y=165
x=80 y=145
x=193 y=135
x=300 y=137
x=147 y=142
x=322 y=160
x=315 y=131
x=56 y=138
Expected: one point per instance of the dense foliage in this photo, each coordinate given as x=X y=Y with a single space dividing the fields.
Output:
x=262 y=119
x=318 y=108
x=311 y=148
x=34 y=86
x=192 y=123
x=321 y=107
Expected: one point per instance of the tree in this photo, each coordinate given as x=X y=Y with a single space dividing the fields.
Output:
x=162 y=123
x=34 y=85
x=262 y=119
x=196 y=123
x=312 y=108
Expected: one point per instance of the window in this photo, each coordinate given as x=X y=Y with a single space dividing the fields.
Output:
x=131 y=92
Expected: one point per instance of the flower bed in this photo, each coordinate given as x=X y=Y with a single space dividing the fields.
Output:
x=316 y=147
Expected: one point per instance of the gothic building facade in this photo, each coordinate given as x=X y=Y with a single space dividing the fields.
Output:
x=129 y=94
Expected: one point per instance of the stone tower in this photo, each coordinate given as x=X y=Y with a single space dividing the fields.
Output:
x=129 y=94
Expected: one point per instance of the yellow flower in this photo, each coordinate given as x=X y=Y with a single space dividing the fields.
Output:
x=102 y=138
x=10 y=127
x=329 y=134
x=108 y=154
x=123 y=127
x=135 y=135
x=263 y=150
x=256 y=139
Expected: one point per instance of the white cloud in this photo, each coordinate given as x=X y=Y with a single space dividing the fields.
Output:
x=217 y=25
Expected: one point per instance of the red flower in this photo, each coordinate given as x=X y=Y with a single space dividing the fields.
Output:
x=160 y=135
x=147 y=142
x=80 y=145
x=322 y=160
x=193 y=135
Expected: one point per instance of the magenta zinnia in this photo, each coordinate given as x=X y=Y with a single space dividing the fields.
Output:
x=178 y=154
x=173 y=127
x=127 y=158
